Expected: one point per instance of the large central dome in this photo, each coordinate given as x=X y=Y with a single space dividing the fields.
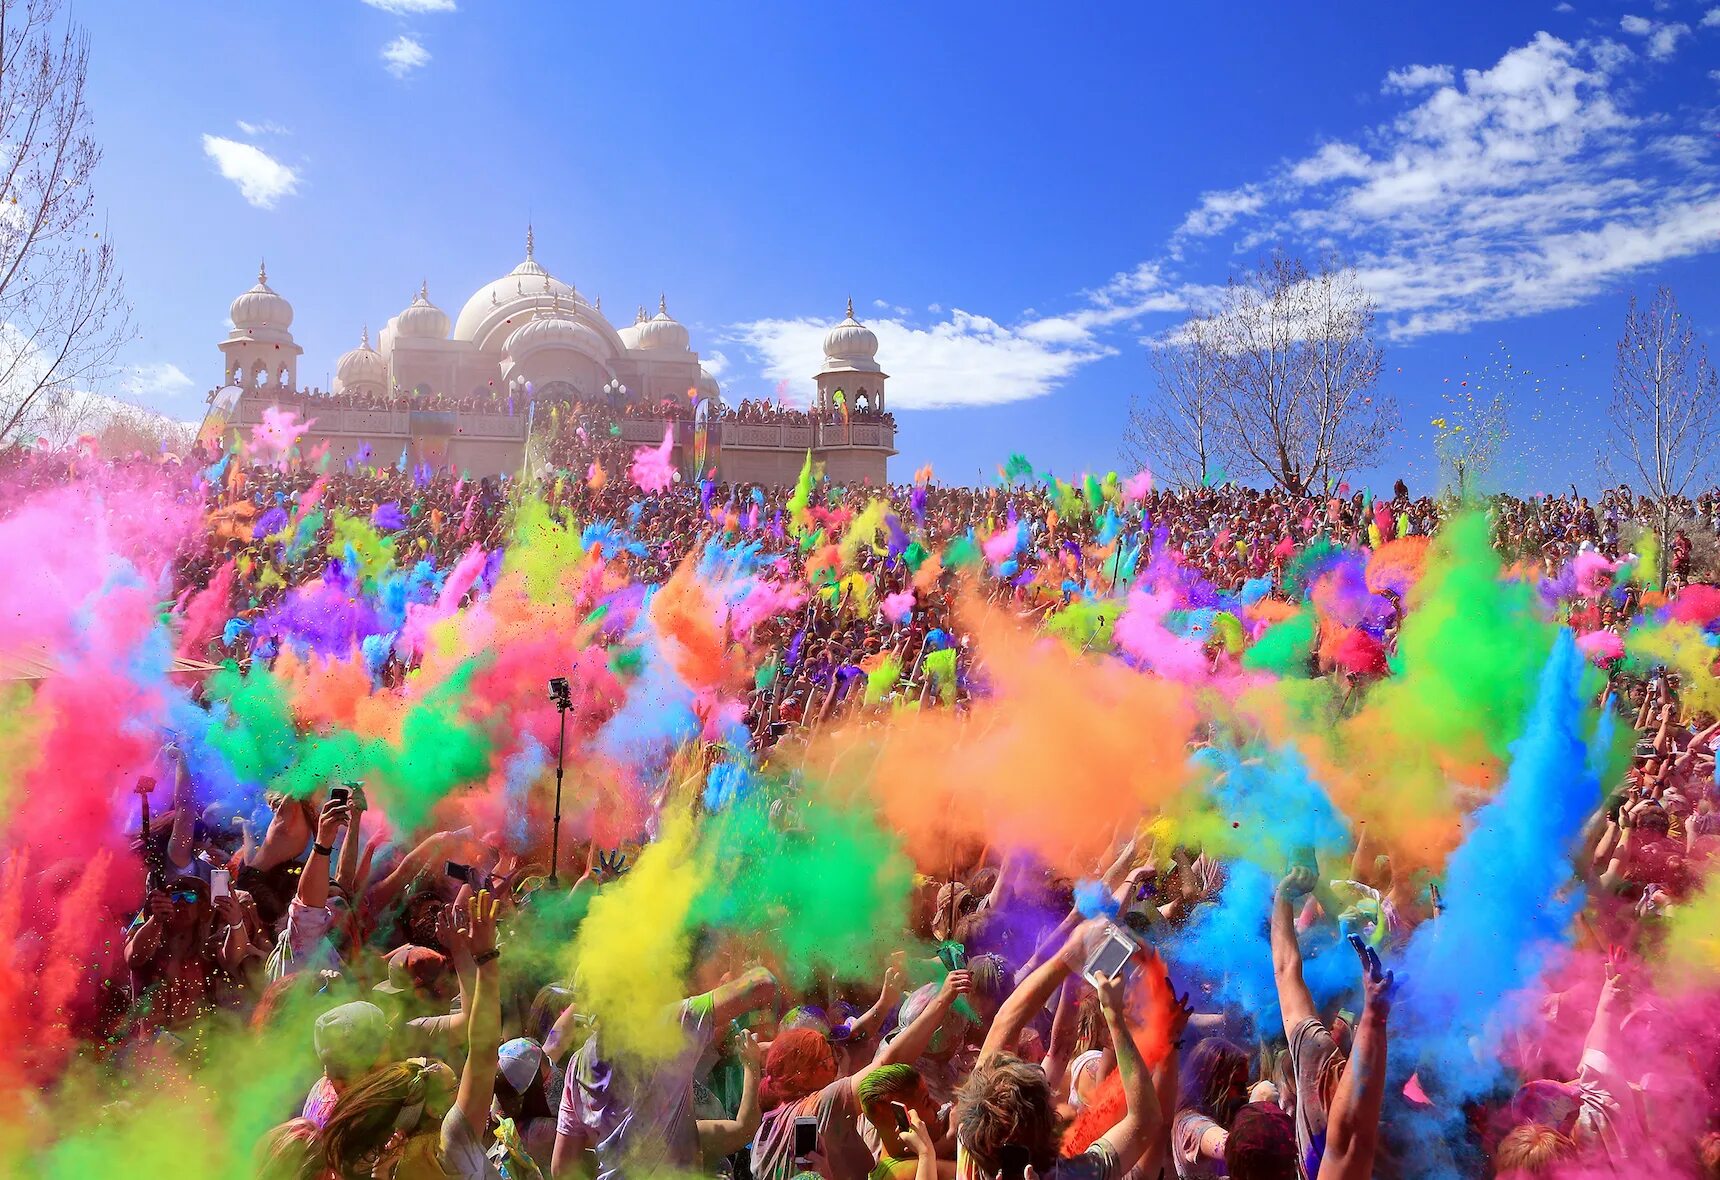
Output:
x=526 y=284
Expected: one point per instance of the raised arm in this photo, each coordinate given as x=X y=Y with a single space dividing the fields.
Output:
x=721 y=1137
x=1031 y=994
x=750 y=991
x=1295 y=1003
x=313 y=880
x=912 y=1042
x=1353 y=1127
x=1141 y=1128
x=484 y=1026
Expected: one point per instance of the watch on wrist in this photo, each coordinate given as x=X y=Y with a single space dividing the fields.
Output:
x=489 y=956
x=325 y=849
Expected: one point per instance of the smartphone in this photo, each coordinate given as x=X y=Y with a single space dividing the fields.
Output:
x=1112 y=956
x=340 y=794
x=460 y=872
x=145 y=784
x=902 y=1124
x=805 y=1137
x=220 y=883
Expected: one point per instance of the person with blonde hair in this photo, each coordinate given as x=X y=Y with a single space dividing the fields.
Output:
x=414 y=1119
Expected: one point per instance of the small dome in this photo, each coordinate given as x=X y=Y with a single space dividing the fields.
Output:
x=556 y=331
x=708 y=387
x=260 y=307
x=660 y=333
x=850 y=340
x=422 y=320
x=361 y=366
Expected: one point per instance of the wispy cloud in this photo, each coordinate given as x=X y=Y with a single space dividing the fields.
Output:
x=264 y=128
x=403 y=55
x=1711 y=18
x=262 y=179
x=1662 y=36
x=1525 y=186
x=154 y=384
x=413 y=7
x=1413 y=78
x=1520 y=188
x=967 y=359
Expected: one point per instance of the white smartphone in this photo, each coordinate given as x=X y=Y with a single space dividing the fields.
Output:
x=220 y=883
x=1111 y=957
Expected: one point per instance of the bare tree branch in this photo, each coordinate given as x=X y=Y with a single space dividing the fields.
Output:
x=62 y=310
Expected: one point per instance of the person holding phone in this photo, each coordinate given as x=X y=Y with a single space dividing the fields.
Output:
x=171 y=956
x=804 y=1095
x=893 y=1098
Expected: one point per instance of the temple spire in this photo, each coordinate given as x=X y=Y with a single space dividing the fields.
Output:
x=530 y=243
x=365 y=339
x=662 y=304
x=851 y=307
x=262 y=273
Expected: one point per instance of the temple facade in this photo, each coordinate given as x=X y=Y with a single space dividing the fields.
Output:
x=467 y=392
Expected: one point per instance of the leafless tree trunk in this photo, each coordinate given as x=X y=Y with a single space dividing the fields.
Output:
x=1294 y=363
x=1665 y=406
x=62 y=310
x=1176 y=432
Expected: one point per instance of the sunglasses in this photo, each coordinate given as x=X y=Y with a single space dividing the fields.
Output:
x=188 y=896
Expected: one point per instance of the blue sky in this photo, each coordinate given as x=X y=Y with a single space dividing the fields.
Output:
x=1016 y=196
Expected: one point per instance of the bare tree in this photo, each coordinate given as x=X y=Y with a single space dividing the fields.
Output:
x=62 y=311
x=1177 y=431
x=1294 y=363
x=1665 y=406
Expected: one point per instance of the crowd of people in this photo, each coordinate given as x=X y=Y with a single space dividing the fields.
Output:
x=1228 y=928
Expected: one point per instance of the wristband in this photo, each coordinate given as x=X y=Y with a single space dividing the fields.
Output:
x=489 y=956
x=325 y=849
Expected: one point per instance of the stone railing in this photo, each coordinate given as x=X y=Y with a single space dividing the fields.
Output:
x=402 y=423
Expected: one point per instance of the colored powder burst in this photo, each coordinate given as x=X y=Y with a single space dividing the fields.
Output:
x=824 y=884
x=1009 y=771
x=371 y=552
x=1509 y=895
x=1086 y=625
x=1683 y=649
x=1283 y=649
x=629 y=959
x=546 y=546
x=1471 y=653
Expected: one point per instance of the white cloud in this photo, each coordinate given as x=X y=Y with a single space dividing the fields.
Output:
x=162 y=381
x=968 y=359
x=262 y=179
x=413 y=7
x=1662 y=37
x=403 y=55
x=264 y=128
x=1563 y=7
x=1218 y=210
x=713 y=362
x=1413 y=78
x=1521 y=187
x=1711 y=18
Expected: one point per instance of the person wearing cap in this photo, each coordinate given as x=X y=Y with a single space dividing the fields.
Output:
x=522 y=1095
x=350 y=1040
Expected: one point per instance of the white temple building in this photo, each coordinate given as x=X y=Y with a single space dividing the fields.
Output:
x=530 y=338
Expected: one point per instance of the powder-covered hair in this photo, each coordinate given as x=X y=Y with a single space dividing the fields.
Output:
x=886 y=1082
x=1531 y=1149
x=1006 y=1117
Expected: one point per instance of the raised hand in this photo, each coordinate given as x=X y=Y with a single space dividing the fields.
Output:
x=1378 y=986
x=610 y=865
x=1113 y=993
x=332 y=819
x=1298 y=882
x=482 y=912
x=956 y=985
